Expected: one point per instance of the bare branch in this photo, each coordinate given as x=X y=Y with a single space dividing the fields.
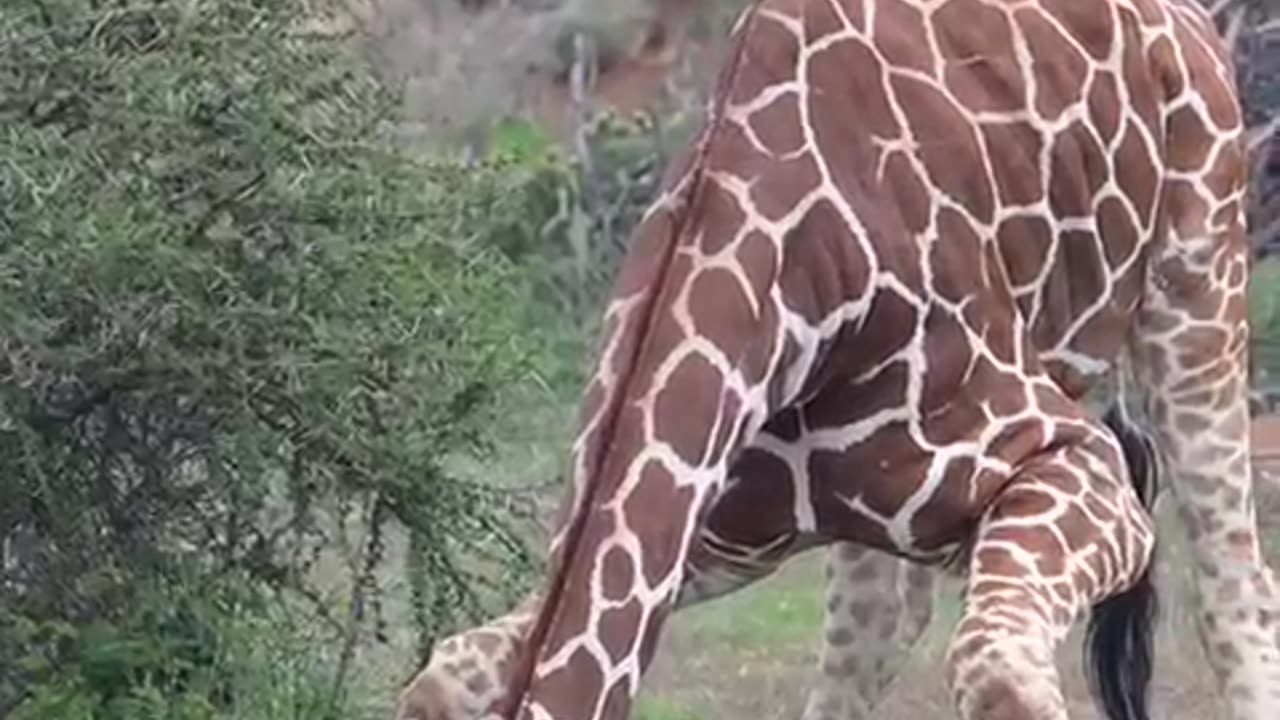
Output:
x=1258 y=136
x=1216 y=9
x=1235 y=26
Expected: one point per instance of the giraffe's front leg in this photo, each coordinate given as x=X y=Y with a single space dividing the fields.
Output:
x=877 y=607
x=1068 y=532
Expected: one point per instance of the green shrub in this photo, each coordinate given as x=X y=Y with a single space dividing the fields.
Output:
x=183 y=655
x=238 y=331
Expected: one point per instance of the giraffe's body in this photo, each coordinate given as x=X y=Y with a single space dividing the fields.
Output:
x=911 y=236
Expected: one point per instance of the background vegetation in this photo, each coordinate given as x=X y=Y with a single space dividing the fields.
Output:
x=294 y=299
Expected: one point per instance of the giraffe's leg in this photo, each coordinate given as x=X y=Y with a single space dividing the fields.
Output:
x=1067 y=533
x=468 y=671
x=878 y=605
x=1190 y=355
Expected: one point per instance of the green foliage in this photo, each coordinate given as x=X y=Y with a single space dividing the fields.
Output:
x=190 y=657
x=580 y=214
x=239 y=332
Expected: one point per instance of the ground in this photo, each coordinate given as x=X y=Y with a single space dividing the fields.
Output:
x=753 y=654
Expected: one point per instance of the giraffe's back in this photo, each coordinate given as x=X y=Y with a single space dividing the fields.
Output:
x=1004 y=170
x=1040 y=128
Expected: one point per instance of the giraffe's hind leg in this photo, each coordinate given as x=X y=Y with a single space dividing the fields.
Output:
x=877 y=607
x=1067 y=533
x=1190 y=351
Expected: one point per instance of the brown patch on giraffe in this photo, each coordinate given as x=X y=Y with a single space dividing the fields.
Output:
x=617 y=574
x=1078 y=277
x=574 y=611
x=1089 y=22
x=839 y=636
x=1197 y=343
x=1050 y=400
x=1018 y=439
x=640 y=268
x=778 y=125
x=778 y=191
x=948 y=354
x=785 y=424
x=1163 y=58
x=1058 y=69
x=656 y=491
x=1014 y=150
x=719 y=218
x=556 y=690
x=823 y=264
x=1149 y=12
x=757 y=256
x=952 y=256
x=1024 y=242
x=1237 y=273
x=904 y=183
x=479 y=684
x=1079 y=168
x=848 y=81
x=1190 y=423
x=1228 y=170
x=1188 y=210
x=487 y=642
x=1136 y=173
x=947 y=144
x=1101 y=336
x=1227 y=215
x=822 y=19
x=1194 y=141
x=1202 y=71
x=1145 y=97
x=763 y=482
x=685 y=407
x=980 y=65
x=1116 y=229
x=1104 y=106
x=1010 y=398
x=952 y=510
x=888 y=325
x=617 y=629
x=722 y=310
x=1039 y=540
x=901 y=36
x=769 y=57
x=637 y=363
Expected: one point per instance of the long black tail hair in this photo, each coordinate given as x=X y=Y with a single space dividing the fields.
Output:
x=1119 y=640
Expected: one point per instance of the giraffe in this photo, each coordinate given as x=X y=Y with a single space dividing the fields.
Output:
x=910 y=236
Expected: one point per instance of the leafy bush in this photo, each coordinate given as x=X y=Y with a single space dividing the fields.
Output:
x=238 y=331
x=184 y=655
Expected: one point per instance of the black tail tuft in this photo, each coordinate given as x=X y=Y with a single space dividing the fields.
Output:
x=1119 y=640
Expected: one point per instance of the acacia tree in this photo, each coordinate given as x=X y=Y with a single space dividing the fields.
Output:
x=235 y=323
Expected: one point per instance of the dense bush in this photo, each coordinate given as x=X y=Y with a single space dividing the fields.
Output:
x=238 y=331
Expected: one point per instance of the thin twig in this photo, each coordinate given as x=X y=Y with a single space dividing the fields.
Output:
x=1258 y=136
x=1235 y=26
x=1217 y=8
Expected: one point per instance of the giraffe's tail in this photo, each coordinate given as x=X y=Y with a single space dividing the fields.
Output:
x=1119 y=639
